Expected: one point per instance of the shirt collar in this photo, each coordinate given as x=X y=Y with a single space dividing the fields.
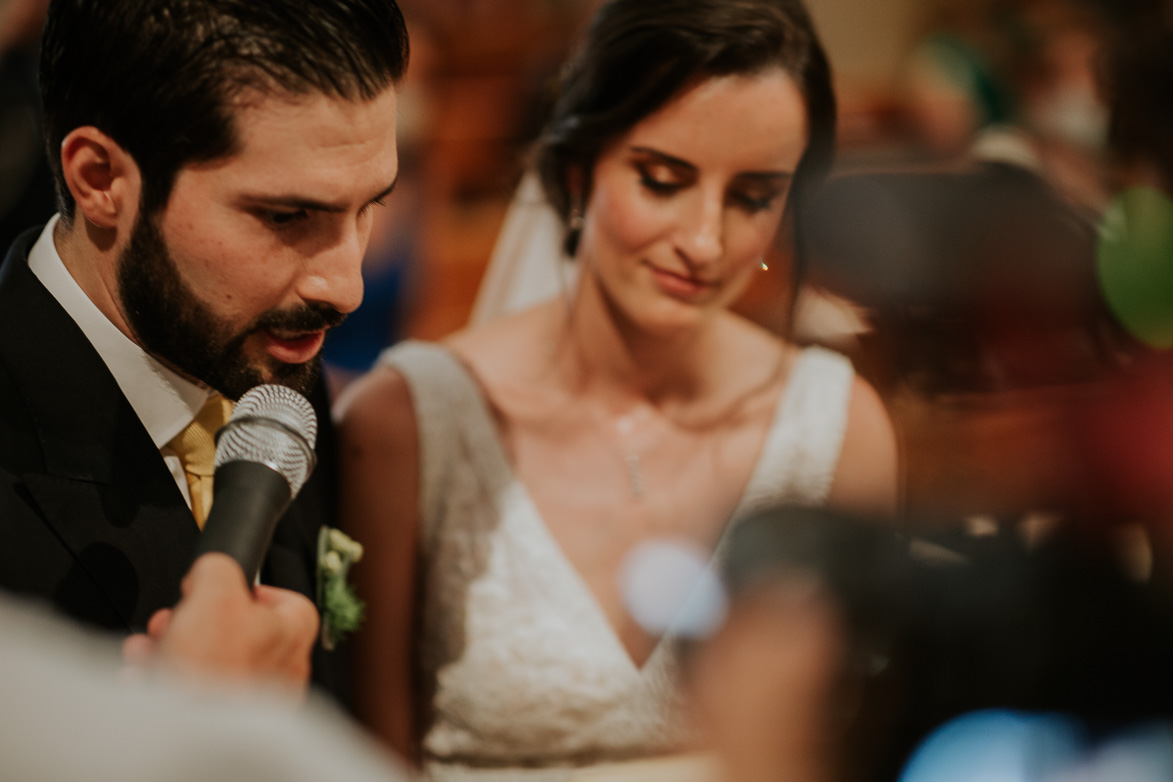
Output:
x=164 y=401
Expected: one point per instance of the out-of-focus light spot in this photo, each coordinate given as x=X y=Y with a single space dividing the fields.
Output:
x=669 y=588
x=996 y=746
x=1007 y=746
x=1144 y=754
x=1134 y=260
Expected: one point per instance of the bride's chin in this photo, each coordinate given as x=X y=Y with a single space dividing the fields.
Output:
x=650 y=312
x=669 y=320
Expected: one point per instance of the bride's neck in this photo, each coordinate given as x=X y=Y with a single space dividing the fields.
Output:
x=600 y=351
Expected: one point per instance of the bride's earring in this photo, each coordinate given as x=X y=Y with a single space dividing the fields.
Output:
x=762 y=264
x=574 y=223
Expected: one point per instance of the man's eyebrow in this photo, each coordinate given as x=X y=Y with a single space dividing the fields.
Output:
x=763 y=176
x=295 y=203
x=390 y=189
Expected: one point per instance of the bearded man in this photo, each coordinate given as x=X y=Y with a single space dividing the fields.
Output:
x=216 y=164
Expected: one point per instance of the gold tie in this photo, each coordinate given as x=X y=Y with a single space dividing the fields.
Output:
x=196 y=448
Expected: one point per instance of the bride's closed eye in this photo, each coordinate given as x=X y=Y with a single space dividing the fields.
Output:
x=757 y=200
x=661 y=179
x=760 y=192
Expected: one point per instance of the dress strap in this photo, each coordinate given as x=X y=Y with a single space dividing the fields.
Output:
x=801 y=452
x=456 y=428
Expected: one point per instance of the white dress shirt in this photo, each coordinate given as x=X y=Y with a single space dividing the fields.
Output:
x=164 y=401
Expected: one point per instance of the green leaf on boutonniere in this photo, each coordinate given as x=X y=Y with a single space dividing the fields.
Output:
x=341 y=609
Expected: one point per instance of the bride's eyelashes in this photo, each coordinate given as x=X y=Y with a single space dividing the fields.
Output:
x=661 y=180
x=757 y=200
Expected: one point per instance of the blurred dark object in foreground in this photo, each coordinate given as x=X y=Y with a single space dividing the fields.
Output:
x=938 y=627
x=1004 y=367
x=975 y=281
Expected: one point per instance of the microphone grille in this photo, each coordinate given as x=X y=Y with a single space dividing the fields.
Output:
x=273 y=425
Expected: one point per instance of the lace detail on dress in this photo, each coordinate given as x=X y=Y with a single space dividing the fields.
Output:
x=798 y=461
x=527 y=670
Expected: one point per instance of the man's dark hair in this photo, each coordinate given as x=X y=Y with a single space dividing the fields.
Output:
x=639 y=54
x=160 y=76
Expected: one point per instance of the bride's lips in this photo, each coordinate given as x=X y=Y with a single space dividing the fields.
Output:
x=292 y=348
x=681 y=285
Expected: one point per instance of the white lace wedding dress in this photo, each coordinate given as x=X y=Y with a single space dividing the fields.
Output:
x=529 y=679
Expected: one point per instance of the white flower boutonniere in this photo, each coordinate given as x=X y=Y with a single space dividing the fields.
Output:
x=342 y=611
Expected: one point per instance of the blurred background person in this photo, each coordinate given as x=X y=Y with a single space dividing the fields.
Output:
x=1013 y=82
x=952 y=86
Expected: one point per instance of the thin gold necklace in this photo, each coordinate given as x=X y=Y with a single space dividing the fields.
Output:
x=624 y=426
x=618 y=432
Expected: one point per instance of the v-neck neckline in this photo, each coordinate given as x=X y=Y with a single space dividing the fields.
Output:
x=510 y=478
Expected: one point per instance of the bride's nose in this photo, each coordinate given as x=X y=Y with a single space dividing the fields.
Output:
x=701 y=232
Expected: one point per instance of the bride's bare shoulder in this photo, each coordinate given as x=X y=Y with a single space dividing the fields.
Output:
x=507 y=347
x=376 y=411
x=750 y=349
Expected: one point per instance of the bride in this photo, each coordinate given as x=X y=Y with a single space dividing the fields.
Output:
x=498 y=480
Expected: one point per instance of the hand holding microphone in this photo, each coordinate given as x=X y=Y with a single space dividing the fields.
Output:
x=224 y=626
x=226 y=630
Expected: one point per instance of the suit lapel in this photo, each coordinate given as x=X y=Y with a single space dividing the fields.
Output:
x=132 y=549
x=103 y=487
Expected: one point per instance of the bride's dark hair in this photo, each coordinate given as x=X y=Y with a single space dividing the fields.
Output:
x=638 y=54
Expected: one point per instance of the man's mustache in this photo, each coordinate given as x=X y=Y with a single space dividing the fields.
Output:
x=312 y=317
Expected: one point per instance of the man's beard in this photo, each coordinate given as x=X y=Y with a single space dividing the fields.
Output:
x=181 y=330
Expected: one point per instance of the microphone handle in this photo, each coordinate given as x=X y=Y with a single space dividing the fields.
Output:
x=248 y=498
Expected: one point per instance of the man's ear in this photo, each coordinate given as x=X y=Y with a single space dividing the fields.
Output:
x=102 y=177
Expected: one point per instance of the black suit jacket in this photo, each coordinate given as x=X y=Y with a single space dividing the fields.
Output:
x=90 y=517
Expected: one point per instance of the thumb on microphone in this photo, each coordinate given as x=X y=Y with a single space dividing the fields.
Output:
x=221 y=629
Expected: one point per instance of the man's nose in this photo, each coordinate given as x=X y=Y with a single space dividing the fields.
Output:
x=334 y=275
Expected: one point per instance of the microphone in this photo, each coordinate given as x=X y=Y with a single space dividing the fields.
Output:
x=264 y=454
